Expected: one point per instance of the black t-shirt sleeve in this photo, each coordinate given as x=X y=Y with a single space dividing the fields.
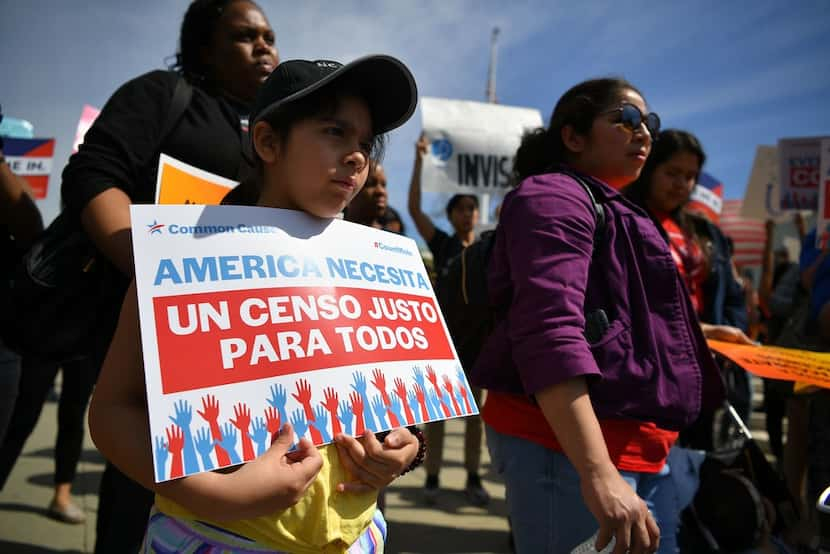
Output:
x=122 y=140
x=436 y=245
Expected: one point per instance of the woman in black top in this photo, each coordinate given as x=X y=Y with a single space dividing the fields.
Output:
x=226 y=50
x=462 y=211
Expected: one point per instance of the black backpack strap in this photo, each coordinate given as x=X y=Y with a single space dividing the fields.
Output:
x=178 y=105
x=599 y=209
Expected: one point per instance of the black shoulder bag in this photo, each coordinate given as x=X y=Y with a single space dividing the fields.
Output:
x=65 y=296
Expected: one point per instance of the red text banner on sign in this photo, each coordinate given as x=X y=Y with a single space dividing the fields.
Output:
x=219 y=338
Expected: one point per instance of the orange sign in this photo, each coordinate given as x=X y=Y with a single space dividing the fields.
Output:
x=774 y=362
x=180 y=183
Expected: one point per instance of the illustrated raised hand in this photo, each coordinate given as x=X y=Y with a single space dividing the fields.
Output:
x=380 y=411
x=321 y=422
x=242 y=420
x=359 y=383
x=360 y=387
x=303 y=396
x=184 y=414
x=331 y=403
x=395 y=417
x=400 y=390
x=458 y=397
x=414 y=406
x=418 y=375
x=357 y=410
x=273 y=420
x=278 y=399
x=210 y=408
x=204 y=445
x=175 y=443
x=161 y=458
x=379 y=382
x=446 y=405
x=210 y=413
x=427 y=409
x=228 y=442
x=259 y=434
x=346 y=416
x=182 y=418
x=451 y=394
x=468 y=394
x=299 y=422
x=437 y=407
x=433 y=378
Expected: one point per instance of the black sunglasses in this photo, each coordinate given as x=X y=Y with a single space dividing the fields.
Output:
x=631 y=117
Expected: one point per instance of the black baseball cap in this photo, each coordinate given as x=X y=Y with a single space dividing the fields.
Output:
x=386 y=84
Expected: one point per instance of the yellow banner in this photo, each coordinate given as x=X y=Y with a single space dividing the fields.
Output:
x=774 y=362
x=180 y=183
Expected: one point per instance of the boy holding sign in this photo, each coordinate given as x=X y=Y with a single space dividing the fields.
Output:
x=316 y=129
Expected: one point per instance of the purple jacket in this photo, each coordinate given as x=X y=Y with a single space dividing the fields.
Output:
x=651 y=365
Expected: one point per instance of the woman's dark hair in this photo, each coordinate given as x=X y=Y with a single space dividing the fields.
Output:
x=198 y=27
x=667 y=144
x=578 y=107
x=456 y=198
x=321 y=103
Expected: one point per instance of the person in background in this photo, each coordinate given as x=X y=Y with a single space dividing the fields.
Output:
x=777 y=295
x=20 y=223
x=702 y=257
x=393 y=222
x=462 y=212
x=26 y=383
x=369 y=206
x=815 y=278
x=226 y=50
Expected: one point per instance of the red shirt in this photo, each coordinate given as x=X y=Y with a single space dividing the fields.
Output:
x=633 y=445
x=688 y=258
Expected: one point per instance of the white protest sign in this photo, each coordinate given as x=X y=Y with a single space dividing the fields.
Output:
x=823 y=212
x=798 y=164
x=252 y=317
x=472 y=144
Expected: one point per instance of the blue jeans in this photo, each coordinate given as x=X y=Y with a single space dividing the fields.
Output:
x=545 y=503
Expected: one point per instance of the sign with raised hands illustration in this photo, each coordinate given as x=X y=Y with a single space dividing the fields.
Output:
x=253 y=317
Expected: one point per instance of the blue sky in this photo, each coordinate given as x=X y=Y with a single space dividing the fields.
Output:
x=737 y=74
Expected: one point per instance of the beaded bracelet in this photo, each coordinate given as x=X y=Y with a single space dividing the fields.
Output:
x=422 y=449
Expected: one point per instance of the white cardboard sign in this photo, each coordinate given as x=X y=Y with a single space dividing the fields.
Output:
x=252 y=317
x=472 y=144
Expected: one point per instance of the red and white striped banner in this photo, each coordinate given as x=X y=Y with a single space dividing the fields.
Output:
x=748 y=234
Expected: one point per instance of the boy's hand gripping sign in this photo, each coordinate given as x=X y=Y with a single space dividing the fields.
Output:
x=255 y=317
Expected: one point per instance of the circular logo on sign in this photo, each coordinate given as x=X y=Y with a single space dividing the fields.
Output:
x=442 y=149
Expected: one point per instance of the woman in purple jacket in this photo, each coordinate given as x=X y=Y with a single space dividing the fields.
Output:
x=579 y=427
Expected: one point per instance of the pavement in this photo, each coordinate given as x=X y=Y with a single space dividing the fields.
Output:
x=452 y=525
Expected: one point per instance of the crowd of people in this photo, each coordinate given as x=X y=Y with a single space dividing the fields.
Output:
x=605 y=280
